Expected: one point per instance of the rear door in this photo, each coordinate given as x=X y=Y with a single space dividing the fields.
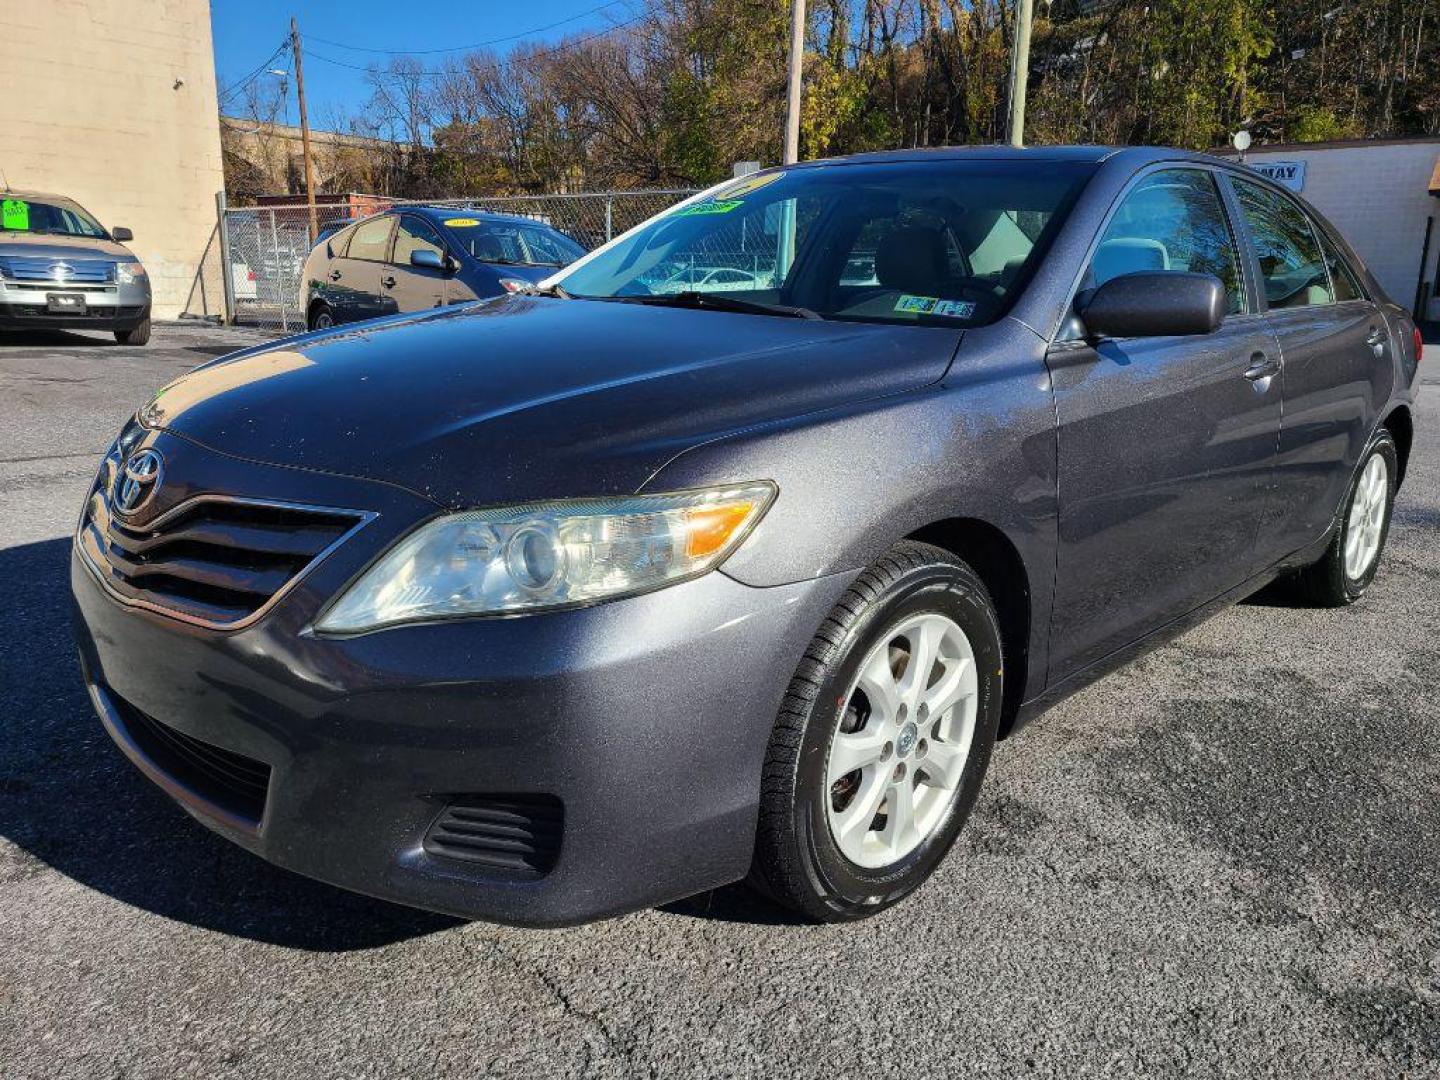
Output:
x=354 y=279
x=1336 y=345
x=415 y=288
x=1165 y=443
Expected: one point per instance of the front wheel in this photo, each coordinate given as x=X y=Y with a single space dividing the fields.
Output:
x=883 y=739
x=139 y=334
x=1348 y=566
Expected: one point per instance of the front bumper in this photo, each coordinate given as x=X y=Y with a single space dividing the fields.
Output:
x=647 y=719
x=25 y=305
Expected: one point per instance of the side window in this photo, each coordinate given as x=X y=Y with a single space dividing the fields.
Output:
x=1290 y=260
x=413 y=235
x=371 y=239
x=1343 y=279
x=1172 y=220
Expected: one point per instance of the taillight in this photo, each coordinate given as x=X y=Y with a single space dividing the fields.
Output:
x=1419 y=345
x=514 y=284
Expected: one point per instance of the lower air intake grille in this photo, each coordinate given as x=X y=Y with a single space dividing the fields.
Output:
x=507 y=832
x=235 y=783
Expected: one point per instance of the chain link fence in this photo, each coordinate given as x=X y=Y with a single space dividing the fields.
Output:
x=263 y=249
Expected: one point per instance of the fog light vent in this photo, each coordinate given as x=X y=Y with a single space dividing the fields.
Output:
x=519 y=833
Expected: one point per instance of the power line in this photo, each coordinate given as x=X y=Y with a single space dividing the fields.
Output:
x=235 y=88
x=467 y=48
x=433 y=74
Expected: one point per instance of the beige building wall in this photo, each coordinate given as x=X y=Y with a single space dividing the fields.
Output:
x=112 y=102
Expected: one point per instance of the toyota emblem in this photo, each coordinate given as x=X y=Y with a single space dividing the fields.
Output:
x=138 y=479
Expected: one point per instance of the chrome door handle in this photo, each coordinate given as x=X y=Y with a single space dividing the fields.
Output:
x=335 y=275
x=388 y=282
x=1262 y=367
x=1376 y=341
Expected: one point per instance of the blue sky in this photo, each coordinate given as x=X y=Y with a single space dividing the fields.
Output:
x=247 y=31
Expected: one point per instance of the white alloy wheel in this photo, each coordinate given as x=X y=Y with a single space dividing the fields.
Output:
x=1366 y=524
x=904 y=736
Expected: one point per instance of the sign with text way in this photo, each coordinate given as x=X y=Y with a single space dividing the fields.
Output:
x=1289 y=173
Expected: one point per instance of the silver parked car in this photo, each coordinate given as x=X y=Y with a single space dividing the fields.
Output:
x=61 y=269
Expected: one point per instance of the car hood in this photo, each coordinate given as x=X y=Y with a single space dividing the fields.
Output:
x=529 y=397
x=42 y=246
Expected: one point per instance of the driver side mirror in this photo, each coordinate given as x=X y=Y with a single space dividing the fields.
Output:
x=431 y=260
x=1152 y=303
x=121 y=235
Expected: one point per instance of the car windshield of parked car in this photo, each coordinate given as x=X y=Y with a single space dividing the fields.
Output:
x=47 y=217
x=941 y=242
x=511 y=243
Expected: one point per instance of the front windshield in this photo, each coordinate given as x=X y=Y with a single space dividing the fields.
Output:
x=48 y=217
x=943 y=242
x=512 y=243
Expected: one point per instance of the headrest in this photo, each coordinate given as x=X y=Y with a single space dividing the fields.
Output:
x=911 y=259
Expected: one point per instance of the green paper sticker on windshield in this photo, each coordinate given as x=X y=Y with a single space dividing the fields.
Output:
x=720 y=206
x=916 y=305
x=15 y=215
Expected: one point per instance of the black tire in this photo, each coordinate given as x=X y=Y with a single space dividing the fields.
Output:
x=1327 y=582
x=797 y=861
x=139 y=334
x=321 y=318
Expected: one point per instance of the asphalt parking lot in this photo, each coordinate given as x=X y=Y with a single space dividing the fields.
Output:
x=1224 y=860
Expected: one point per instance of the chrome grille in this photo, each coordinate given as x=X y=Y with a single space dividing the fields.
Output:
x=214 y=560
x=41 y=268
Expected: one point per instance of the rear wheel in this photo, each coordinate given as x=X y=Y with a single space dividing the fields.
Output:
x=883 y=740
x=1343 y=574
x=139 y=334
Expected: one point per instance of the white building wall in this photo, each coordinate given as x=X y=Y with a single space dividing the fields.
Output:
x=1377 y=195
x=112 y=102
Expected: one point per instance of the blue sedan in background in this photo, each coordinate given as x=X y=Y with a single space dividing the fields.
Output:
x=417 y=257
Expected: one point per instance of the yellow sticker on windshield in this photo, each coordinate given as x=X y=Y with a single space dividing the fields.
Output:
x=462 y=222
x=14 y=215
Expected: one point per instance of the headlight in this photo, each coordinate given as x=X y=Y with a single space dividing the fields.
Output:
x=128 y=273
x=548 y=555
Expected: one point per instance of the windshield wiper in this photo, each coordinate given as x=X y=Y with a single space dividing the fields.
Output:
x=718 y=302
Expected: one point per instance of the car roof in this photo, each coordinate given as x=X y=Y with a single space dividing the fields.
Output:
x=437 y=212
x=1136 y=155
x=11 y=193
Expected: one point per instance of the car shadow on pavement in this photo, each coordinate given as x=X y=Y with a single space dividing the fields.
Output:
x=69 y=800
x=56 y=339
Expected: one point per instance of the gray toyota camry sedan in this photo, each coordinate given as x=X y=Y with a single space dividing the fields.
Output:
x=583 y=599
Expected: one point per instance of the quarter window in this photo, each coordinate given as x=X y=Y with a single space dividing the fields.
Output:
x=1172 y=221
x=371 y=240
x=1291 y=264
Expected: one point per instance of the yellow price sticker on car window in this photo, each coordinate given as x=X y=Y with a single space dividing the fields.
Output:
x=462 y=222
x=15 y=215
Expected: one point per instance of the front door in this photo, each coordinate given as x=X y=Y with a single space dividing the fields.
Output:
x=415 y=288
x=1165 y=444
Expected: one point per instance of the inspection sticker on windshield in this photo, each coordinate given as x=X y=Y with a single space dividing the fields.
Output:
x=462 y=222
x=15 y=215
x=916 y=305
x=714 y=206
x=955 y=309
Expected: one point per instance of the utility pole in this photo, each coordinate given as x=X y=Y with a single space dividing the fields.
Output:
x=304 y=129
x=1020 y=70
x=792 y=90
